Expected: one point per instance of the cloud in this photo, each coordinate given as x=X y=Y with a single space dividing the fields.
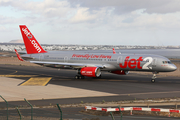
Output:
x=47 y=8
x=126 y=6
x=33 y=12
x=99 y=11
x=82 y=15
x=115 y=14
x=6 y=20
x=100 y=18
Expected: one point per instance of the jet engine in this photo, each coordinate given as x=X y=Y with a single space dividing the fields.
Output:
x=90 y=71
x=120 y=72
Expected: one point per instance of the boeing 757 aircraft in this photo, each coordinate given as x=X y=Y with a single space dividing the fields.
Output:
x=91 y=65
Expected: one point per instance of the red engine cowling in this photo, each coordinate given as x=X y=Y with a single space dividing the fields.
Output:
x=120 y=72
x=90 y=71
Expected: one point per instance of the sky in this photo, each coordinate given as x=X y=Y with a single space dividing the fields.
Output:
x=93 y=22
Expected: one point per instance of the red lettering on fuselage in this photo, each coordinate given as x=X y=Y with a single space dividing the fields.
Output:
x=132 y=63
x=91 y=56
x=138 y=65
x=125 y=63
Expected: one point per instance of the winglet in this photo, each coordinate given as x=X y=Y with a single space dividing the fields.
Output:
x=114 y=52
x=19 y=57
x=31 y=44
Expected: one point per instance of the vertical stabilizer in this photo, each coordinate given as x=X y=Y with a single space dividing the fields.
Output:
x=31 y=44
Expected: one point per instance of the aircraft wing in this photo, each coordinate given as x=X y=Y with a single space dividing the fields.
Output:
x=73 y=65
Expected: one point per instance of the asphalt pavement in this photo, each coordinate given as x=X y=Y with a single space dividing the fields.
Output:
x=133 y=86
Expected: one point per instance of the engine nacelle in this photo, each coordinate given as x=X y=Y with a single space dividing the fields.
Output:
x=90 y=71
x=120 y=72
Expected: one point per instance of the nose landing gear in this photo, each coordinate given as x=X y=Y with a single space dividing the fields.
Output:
x=153 y=80
x=154 y=77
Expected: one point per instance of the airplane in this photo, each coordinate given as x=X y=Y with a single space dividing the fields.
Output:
x=91 y=64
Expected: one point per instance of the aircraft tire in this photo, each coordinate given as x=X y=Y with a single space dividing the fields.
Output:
x=99 y=76
x=153 y=80
x=82 y=77
x=77 y=77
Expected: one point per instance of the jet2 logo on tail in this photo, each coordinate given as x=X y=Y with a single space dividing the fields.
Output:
x=133 y=63
x=33 y=42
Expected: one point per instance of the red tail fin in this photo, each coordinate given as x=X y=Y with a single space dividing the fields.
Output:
x=114 y=52
x=19 y=57
x=32 y=45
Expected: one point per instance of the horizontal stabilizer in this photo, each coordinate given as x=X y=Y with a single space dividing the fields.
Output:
x=19 y=57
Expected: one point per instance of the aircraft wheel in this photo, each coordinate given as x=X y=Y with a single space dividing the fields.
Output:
x=99 y=76
x=76 y=77
x=153 y=80
x=82 y=77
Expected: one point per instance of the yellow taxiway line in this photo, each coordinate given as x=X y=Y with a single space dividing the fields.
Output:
x=37 y=81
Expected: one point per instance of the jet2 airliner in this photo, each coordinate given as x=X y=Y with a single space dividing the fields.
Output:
x=91 y=65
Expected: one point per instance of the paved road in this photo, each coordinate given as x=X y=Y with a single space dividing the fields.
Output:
x=129 y=87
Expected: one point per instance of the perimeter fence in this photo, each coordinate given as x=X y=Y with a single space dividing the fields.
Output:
x=24 y=110
x=28 y=112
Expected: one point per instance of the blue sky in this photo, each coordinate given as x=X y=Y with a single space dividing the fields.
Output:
x=93 y=22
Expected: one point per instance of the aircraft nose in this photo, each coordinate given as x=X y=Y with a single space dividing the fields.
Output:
x=172 y=67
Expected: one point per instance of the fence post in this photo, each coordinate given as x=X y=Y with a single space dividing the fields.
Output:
x=59 y=111
x=31 y=109
x=112 y=115
x=19 y=113
x=130 y=112
x=6 y=105
x=120 y=111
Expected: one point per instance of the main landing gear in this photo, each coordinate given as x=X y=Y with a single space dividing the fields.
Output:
x=154 y=77
x=79 y=77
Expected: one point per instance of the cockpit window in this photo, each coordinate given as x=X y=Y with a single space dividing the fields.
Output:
x=166 y=62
